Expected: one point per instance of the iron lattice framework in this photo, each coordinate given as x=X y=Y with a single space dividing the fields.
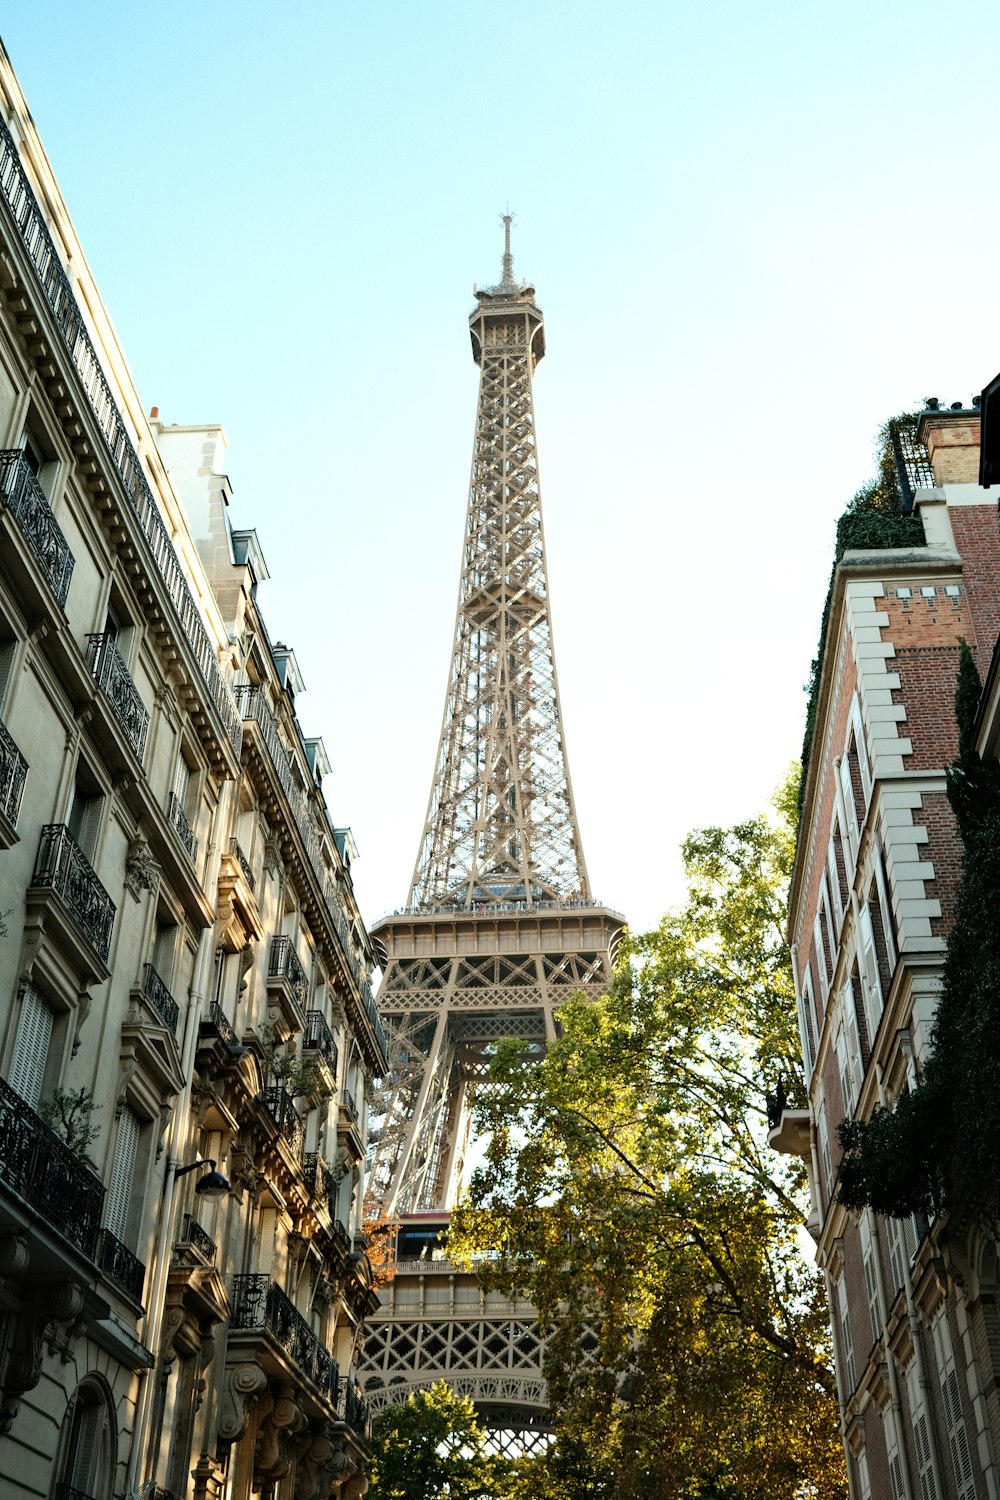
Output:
x=501 y=927
x=501 y=823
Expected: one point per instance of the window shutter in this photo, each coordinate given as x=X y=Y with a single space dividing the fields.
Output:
x=844 y=1067
x=824 y=1149
x=89 y=1421
x=847 y=1340
x=871 y=1280
x=921 y=1435
x=895 y=1254
x=864 y=1480
x=122 y=1171
x=850 y=812
x=31 y=1047
x=864 y=765
x=958 y=1439
x=870 y=981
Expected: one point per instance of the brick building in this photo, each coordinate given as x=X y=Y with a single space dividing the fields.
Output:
x=873 y=890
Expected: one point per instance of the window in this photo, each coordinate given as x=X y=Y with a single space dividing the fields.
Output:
x=164 y=948
x=921 y=1436
x=864 y=1479
x=871 y=1277
x=122 y=1174
x=826 y=1162
x=871 y=980
x=31 y=1047
x=958 y=1438
x=806 y=1025
x=88 y=1455
x=850 y=1378
x=83 y=817
x=849 y=807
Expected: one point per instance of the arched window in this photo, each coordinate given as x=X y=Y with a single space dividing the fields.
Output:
x=88 y=1465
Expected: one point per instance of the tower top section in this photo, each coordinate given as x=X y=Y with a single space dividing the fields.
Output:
x=509 y=301
x=501 y=825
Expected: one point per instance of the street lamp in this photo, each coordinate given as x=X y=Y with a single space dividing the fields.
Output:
x=213 y=1185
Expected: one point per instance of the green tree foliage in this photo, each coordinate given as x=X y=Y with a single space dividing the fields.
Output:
x=938 y=1148
x=628 y=1187
x=432 y=1447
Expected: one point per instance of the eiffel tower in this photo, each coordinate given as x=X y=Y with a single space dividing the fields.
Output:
x=500 y=927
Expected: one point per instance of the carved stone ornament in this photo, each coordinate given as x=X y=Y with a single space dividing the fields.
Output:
x=282 y=1420
x=51 y=1314
x=240 y=1393
x=141 y=869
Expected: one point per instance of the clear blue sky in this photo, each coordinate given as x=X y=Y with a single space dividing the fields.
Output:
x=756 y=229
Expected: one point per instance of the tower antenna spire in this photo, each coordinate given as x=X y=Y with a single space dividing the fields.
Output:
x=507 y=280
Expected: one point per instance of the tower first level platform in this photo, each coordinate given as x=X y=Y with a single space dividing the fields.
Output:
x=454 y=982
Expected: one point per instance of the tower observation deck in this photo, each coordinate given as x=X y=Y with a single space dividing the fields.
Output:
x=500 y=926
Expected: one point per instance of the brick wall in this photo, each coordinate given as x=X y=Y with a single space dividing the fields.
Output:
x=977 y=538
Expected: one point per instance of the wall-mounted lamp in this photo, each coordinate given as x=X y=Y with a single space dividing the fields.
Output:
x=212 y=1185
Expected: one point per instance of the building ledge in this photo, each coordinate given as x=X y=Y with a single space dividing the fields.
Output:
x=791 y=1136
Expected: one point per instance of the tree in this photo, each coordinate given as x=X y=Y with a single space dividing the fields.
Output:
x=628 y=1188
x=431 y=1446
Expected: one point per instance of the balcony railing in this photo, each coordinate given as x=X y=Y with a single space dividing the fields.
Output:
x=120 y=1265
x=219 y=1022
x=319 y=1179
x=38 y=1166
x=112 y=676
x=193 y=1234
x=319 y=1038
x=281 y=1107
x=243 y=863
x=160 y=998
x=55 y=288
x=181 y=826
x=258 y=1302
x=71 y=1492
x=351 y=1104
x=354 y=1409
x=64 y=868
x=13 y=773
x=283 y=963
x=25 y=499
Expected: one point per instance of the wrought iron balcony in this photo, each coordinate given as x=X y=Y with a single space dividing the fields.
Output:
x=70 y=1492
x=120 y=1265
x=219 y=1022
x=193 y=1234
x=354 y=1409
x=53 y=283
x=25 y=499
x=160 y=998
x=283 y=963
x=320 y=1039
x=351 y=1104
x=243 y=863
x=258 y=1302
x=281 y=1107
x=109 y=671
x=13 y=772
x=319 y=1179
x=64 y=868
x=38 y=1166
x=181 y=826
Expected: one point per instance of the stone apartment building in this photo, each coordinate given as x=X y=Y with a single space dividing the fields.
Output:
x=187 y=1032
x=913 y=1305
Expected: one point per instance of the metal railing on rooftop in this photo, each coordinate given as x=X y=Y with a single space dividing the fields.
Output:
x=53 y=282
x=27 y=502
x=490 y=908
